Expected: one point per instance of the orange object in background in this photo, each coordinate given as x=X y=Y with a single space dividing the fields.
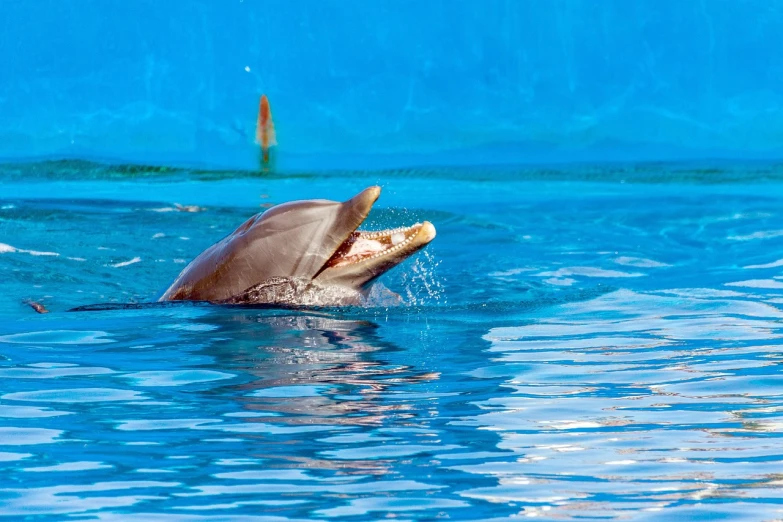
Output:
x=265 y=128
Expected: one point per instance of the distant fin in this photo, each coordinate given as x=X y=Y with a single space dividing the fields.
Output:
x=265 y=125
x=270 y=133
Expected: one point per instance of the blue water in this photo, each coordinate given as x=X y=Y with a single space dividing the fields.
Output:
x=591 y=343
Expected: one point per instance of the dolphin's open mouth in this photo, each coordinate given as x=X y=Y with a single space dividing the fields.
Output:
x=365 y=245
x=365 y=255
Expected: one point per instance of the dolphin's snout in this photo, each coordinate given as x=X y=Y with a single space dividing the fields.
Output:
x=427 y=232
x=369 y=195
x=362 y=202
x=374 y=191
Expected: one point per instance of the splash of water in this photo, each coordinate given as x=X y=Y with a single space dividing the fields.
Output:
x=421 y=283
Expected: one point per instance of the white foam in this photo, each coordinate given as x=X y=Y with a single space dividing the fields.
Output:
x=758 y=283
x=513 y=271
x=639 y=262
x=765 y=234
x=773 y=264
x=5 y=249
x=126 y=263
x=587 y=271
x=558 y=281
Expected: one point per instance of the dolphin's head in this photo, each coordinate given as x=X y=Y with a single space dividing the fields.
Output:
x=314 y=240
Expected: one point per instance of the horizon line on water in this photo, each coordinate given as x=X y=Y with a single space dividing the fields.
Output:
x=707 y=171
x=482 y=156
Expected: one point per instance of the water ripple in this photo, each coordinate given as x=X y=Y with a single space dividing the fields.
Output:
x=10 y=436
x=579 y=350
x=57 y=337
x=75 y=395
x=176 y=378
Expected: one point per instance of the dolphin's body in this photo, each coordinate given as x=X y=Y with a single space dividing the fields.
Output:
x=280 y=255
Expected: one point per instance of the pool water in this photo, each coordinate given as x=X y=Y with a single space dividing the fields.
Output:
x=584 y=343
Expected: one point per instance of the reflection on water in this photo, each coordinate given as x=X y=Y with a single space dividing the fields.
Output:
x=661 y=401
x=304 y=407
x=565 y=351
x=310 y=369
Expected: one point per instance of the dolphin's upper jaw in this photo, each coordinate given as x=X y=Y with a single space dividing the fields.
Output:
x=366 y=255
x=366 y=245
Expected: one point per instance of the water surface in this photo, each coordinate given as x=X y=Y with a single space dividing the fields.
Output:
x=575 y=344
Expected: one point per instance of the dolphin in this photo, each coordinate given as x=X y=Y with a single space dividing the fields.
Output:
x=275 y=255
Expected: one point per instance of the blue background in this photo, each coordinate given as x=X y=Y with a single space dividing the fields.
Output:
x=381 y=83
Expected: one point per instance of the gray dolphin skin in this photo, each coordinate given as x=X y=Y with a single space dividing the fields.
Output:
x=313 y=241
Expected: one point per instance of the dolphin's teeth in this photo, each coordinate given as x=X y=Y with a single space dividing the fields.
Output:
x=368 y=245
x=385 y=233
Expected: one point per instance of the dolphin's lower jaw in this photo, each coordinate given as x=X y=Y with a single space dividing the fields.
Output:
x=365 y=255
